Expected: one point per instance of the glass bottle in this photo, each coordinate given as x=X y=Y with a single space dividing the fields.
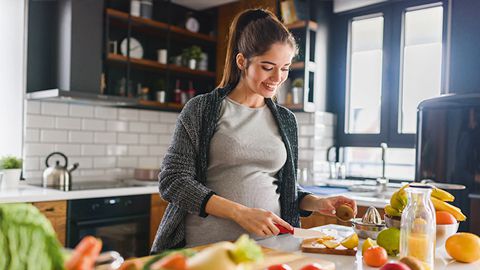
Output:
x=417 y=229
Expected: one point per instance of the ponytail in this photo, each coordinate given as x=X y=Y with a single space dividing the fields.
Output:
x=252 y=33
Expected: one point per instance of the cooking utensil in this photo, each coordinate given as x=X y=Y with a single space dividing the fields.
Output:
x=372 y=216
x=58 y=176
x=301 y=233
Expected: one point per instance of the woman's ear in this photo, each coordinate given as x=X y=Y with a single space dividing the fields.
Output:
x=241 y=61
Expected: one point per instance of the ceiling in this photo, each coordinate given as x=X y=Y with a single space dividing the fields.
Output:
x=201 y=4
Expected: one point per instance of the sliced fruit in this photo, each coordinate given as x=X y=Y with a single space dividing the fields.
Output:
x=351 y=241
x=443 y=206
x=331 y=243
x=320 y=240
x=368 y=243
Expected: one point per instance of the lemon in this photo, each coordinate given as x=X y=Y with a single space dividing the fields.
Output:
x=368 y=243
x=351 y=241
x=331 y=243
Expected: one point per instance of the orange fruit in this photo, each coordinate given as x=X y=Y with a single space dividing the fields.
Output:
x=375 y=256
x=444 y=217
x=463 y=247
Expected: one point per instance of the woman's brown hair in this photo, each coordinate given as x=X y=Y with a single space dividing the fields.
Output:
x=252 y=33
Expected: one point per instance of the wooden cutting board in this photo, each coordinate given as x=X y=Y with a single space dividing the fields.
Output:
x=311 y=246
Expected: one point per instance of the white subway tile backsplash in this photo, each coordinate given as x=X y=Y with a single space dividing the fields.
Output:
x=69 y=149
x=127 y=162
x=97 y=172
x=148 y=139
x=137 y=150
x=83 y=162
x=33 y=106
x=56 y=136
x=105 y=113
x=54 y=108
x=117 y=150
x=68 y=123
x=304 y=142
x=105 y=137
x=157 y=150
x=127 y=138
x=31 y=163
x=80 y=137
x=104 y=162
x=40 y=121
x=38 y=149
x=77 y=110
x=148 y=163
x=118 y=126
x=305 y=154
x=307 y=130
x=93 y=124
x=36 y=175
x=138 y=127
x=159 y=128
x=168 y=117
x=127 y=114
x=149 y=116
x=93 y=150
x=305 y=118
x=32 y=135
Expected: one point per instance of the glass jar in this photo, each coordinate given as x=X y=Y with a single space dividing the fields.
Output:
x=417 y=229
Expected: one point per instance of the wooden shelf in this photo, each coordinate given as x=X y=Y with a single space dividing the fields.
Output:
x=140 y=22
x=154 y=65
x=302 y=24
x=157 y=105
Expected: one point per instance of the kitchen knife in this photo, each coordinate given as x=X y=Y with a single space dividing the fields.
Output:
x=301 y=233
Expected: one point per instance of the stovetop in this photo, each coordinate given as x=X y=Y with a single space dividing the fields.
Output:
x=103 y=184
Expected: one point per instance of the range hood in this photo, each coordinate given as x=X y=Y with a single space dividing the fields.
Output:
x=64 y=61
x=59 y=95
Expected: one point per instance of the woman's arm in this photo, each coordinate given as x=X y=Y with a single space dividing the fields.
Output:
x=255 y=220
x=326 y=205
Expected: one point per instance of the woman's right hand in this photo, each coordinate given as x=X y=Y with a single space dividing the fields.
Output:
x=259 y=221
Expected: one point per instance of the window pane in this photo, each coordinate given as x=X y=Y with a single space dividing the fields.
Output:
x=367 y=162
x=365 y=79
x=422 y=62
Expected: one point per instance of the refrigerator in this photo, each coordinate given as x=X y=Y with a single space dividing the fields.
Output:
x=448 y=150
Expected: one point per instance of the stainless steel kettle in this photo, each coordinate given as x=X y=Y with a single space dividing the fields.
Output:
x=58 y=176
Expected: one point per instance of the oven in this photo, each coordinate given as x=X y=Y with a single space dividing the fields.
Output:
x=121 y=222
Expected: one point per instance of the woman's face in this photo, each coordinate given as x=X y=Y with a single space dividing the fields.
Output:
x=266 y=72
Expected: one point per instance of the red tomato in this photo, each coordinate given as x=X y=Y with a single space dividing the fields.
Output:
x=312 y=266
x=279 y=267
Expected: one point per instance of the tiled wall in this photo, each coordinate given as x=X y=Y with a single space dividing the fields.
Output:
x=110 y=142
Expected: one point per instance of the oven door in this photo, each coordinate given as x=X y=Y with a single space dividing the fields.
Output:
x=126 y=235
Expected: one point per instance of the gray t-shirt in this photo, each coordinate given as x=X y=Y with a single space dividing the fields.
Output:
x=246 y=152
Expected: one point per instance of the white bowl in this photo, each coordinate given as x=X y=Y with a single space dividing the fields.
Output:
x=444 y=231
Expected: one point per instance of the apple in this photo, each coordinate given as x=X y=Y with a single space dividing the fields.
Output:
x=312 y=266
x=395 y=266
x=279 y=267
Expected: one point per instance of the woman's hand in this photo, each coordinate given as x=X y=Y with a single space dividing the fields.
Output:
x=328 y=205
x=259 y=221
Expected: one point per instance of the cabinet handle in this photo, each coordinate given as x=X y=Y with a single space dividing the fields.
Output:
x=51 y=209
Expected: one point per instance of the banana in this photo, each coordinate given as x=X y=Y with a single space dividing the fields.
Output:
x=443 y=206
x=392 y=211
x=442 y=195
x=399 y=199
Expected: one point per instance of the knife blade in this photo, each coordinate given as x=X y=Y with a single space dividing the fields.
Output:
x=301 y=233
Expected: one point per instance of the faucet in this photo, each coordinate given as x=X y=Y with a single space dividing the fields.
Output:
x=383 y=181
x=331 y=162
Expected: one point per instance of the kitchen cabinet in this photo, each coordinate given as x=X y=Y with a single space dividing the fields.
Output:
x=316 y=219
x=56 y=212
x=157 y=209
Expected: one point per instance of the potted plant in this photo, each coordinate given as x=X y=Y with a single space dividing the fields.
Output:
x=11 y=168
x=297 y=90
x=192 y=54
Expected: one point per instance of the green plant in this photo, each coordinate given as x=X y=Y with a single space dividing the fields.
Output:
x=298 y=82
x=193 y=52
x=10 y=162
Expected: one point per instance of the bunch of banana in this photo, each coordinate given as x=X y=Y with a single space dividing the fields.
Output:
x=440 y=198
x=398 y=201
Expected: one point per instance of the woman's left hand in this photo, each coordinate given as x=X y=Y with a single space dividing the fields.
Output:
x=328 y=205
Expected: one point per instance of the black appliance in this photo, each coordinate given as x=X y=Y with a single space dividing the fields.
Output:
x=121 y=222
x=448 y=149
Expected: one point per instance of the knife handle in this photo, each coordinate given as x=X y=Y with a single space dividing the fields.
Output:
x=283 y=229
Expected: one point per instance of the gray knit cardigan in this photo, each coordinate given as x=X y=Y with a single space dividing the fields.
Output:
x=184 y=168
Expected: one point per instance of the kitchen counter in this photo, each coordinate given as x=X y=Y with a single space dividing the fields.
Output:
x=29 y=193
x=290 y=244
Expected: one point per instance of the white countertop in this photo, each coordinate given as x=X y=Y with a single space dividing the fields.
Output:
x=29 y=193
x=290 y=244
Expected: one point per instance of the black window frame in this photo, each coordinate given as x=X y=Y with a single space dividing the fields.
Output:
x=394 y=16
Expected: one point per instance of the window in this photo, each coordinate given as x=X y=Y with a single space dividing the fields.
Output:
x=391 y=60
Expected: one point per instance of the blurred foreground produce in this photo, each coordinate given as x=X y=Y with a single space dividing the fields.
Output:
x=84 y=254
x=27 y=239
